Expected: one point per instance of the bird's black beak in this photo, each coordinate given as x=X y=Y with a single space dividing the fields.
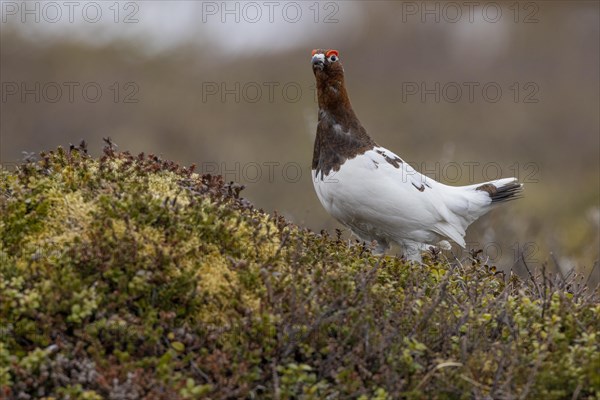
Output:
x=318 y=61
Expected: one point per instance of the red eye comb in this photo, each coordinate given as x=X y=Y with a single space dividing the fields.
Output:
x=314 y=52
x=332 y=53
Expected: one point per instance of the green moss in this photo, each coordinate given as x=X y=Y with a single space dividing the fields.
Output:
x=133 y=276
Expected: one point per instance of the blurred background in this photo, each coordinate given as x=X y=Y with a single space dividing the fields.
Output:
x=465 y=92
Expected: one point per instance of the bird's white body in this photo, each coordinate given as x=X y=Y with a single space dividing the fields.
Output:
x=390 y=202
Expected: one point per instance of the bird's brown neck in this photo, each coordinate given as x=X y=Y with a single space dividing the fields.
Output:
x=340 y=135
x=333 y=98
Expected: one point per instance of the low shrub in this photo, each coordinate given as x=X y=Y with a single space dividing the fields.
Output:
x=129 y=277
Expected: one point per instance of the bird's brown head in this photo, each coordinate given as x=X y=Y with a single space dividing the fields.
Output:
x=326 y=64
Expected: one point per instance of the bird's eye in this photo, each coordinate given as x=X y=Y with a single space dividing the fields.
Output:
x=332 y=55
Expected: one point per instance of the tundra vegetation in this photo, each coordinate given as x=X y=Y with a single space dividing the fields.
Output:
x=132 y=277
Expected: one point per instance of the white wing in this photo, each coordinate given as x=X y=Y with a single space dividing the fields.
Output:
x=379 y=194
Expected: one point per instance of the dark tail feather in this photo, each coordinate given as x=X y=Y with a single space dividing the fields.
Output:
x=506 y=192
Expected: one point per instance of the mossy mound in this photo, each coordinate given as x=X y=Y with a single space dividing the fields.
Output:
x=130 y=277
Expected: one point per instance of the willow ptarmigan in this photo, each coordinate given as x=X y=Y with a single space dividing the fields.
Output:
x=374 y=192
